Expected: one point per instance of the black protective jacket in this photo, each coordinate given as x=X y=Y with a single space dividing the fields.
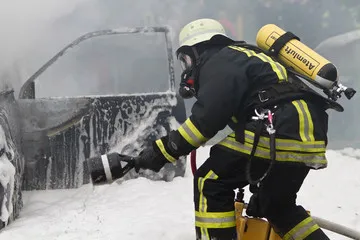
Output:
x=226 y=83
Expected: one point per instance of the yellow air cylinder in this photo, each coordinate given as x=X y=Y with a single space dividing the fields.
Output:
x=300 y=57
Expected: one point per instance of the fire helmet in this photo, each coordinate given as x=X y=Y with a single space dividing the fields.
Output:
x=193 y=33
x=200 y=30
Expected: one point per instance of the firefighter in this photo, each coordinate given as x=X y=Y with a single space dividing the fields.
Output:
x=273 y=147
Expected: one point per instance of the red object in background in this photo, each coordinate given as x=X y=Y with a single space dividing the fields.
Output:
x=193 y=161
x=229 y=26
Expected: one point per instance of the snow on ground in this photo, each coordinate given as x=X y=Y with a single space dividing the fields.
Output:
x=144 y=209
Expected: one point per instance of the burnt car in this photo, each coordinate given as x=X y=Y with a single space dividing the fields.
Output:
x=109 y=90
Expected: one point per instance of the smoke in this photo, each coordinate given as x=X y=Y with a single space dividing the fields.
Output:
x=33 y=31
x=23 y=24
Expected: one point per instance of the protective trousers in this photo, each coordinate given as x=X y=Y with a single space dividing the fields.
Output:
x=224 y=171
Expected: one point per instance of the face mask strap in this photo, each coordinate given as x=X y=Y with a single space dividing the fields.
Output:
x=196 y=55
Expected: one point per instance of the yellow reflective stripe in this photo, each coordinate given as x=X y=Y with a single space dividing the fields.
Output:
x=277 y=67
x=191 y=134
x=201 y=181
x=204 y=233
x=203 y=201
x=285 y=144
x=214 y=214
x=160 y=144
x=316 y=160
x=306 y=125
x=215 y=219
x=265 y=152
x=302 y=230
x=248 y=53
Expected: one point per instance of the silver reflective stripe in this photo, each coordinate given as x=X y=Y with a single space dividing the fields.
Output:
x=203 y=199
x=280 y=156
x=215 y=220
x=282 y=70
x=105 y=162
x=278 y=65
x=192 y=135
x=291 y=145
x=304 y=146
x=247 y=52
x=306 y=121
x=302 y=231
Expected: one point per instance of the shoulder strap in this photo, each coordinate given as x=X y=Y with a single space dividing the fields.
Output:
x=274 y=94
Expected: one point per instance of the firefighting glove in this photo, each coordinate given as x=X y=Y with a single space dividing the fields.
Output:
x=155 y=156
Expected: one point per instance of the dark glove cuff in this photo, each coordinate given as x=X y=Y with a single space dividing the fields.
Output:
x=161 y=147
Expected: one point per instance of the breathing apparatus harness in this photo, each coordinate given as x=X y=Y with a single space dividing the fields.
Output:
x=261 y=107
x=264 y=101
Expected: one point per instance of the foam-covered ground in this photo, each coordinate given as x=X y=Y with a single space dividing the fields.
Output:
x=144 y=209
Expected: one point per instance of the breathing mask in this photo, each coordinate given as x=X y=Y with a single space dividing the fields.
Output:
x=188 y=75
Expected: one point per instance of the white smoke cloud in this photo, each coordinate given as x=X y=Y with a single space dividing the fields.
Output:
x=33 y=31
x=23 y=25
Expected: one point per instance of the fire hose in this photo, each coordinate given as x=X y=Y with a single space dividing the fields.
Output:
x=323 y=223
x=193 y=161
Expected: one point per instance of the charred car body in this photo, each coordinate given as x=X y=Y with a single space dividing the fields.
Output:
x=123 y=93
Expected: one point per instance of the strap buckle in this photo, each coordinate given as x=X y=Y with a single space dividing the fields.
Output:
x=266 y=114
